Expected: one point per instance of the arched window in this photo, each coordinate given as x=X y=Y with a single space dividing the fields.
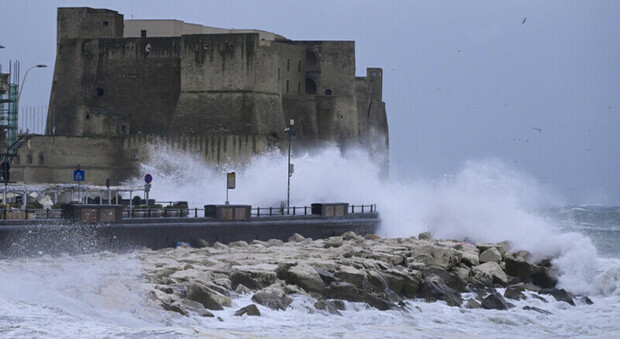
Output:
x=310 y=86
x=312 y=64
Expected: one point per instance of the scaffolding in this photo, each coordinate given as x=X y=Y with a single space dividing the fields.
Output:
x=9 y=88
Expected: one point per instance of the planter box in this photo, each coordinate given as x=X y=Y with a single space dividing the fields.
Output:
x=228 y=212
x=338 y=209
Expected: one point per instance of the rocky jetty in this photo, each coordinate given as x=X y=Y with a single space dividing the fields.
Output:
x=378 y=272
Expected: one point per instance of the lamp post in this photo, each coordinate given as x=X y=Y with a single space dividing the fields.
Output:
x=289 y=131
x=19 y=94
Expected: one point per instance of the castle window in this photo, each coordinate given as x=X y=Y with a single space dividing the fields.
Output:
x=99 y=91
x=105 y=23
x=286 y=86
x=87 y=116
x=143 y=33
x=288 y=64
x=328 y=92
x=29 y=159
x=41 y=159
x=312 y=64
x=310 y=86
x=278 y=73
x=123 y=129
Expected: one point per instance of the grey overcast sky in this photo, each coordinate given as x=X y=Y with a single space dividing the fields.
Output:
x=462 y=79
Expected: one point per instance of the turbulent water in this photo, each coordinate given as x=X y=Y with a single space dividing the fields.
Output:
x=102 y=294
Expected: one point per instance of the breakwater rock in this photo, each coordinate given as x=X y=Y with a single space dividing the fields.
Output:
x=378 y=272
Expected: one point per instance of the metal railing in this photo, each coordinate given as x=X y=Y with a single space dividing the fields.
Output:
x=51 y=214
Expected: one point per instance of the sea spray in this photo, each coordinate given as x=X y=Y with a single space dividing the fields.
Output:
x=485 y=201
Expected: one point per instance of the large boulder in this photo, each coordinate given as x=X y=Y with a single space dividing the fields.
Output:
x=471 y=303
x=434 y=288
x=250 y=310
x=326 y=305
x=173 y=306
x=559 y=295
x=495 y=301
x=518 y=268
x=424 y=236
x=377 y=301
x=349 y=235
x=296 y=238
x=444 y=257
x=492 y=254
x=305 y=277
x=253 y=277
x=333 y=242
x=489 y=273
x=402 y=283
x=325 y=275
x=342 y=290
x=351 y=275
x=272 y=297
x=541 y=276
x=451 y=279
x=461 y=272
x=470 y=258
x=515 y=292
x=376 y=281
x=207 y=297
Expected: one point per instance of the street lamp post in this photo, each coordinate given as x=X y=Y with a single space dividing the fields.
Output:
x=21 y=87
x=289 y=131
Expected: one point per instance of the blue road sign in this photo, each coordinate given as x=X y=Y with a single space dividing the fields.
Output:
x=148 y=178
x=78 y=175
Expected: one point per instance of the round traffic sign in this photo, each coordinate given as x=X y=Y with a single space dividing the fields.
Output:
x=148 y=178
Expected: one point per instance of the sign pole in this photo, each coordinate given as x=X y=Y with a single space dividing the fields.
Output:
x=230 y=184
x=147 y=179
x=288 y=185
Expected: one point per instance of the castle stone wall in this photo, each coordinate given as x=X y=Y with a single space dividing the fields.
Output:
x=225 y=96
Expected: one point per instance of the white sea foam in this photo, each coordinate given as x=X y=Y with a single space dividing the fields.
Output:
x=103 y=294
x=486 y=201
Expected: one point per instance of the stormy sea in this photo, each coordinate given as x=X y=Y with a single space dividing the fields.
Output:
x=106 y=294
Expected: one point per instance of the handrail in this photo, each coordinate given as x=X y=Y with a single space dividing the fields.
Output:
x=165 y=212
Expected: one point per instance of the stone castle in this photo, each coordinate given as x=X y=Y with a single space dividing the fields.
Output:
x=227 y=94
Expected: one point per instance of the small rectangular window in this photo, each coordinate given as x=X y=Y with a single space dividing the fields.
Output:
x=143 y=33
x=106 y=23
x=286 y=86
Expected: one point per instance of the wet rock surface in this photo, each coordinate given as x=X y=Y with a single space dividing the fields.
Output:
x=372 y=270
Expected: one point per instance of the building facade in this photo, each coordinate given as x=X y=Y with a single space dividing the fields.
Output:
x=226 y=94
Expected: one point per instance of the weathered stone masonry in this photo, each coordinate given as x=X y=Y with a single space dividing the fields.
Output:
x=122 y=84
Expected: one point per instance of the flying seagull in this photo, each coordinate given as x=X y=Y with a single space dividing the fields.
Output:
x=537 y=129
x=524 y=19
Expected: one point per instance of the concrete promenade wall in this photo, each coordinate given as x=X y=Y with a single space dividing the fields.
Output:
x=22 y=238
